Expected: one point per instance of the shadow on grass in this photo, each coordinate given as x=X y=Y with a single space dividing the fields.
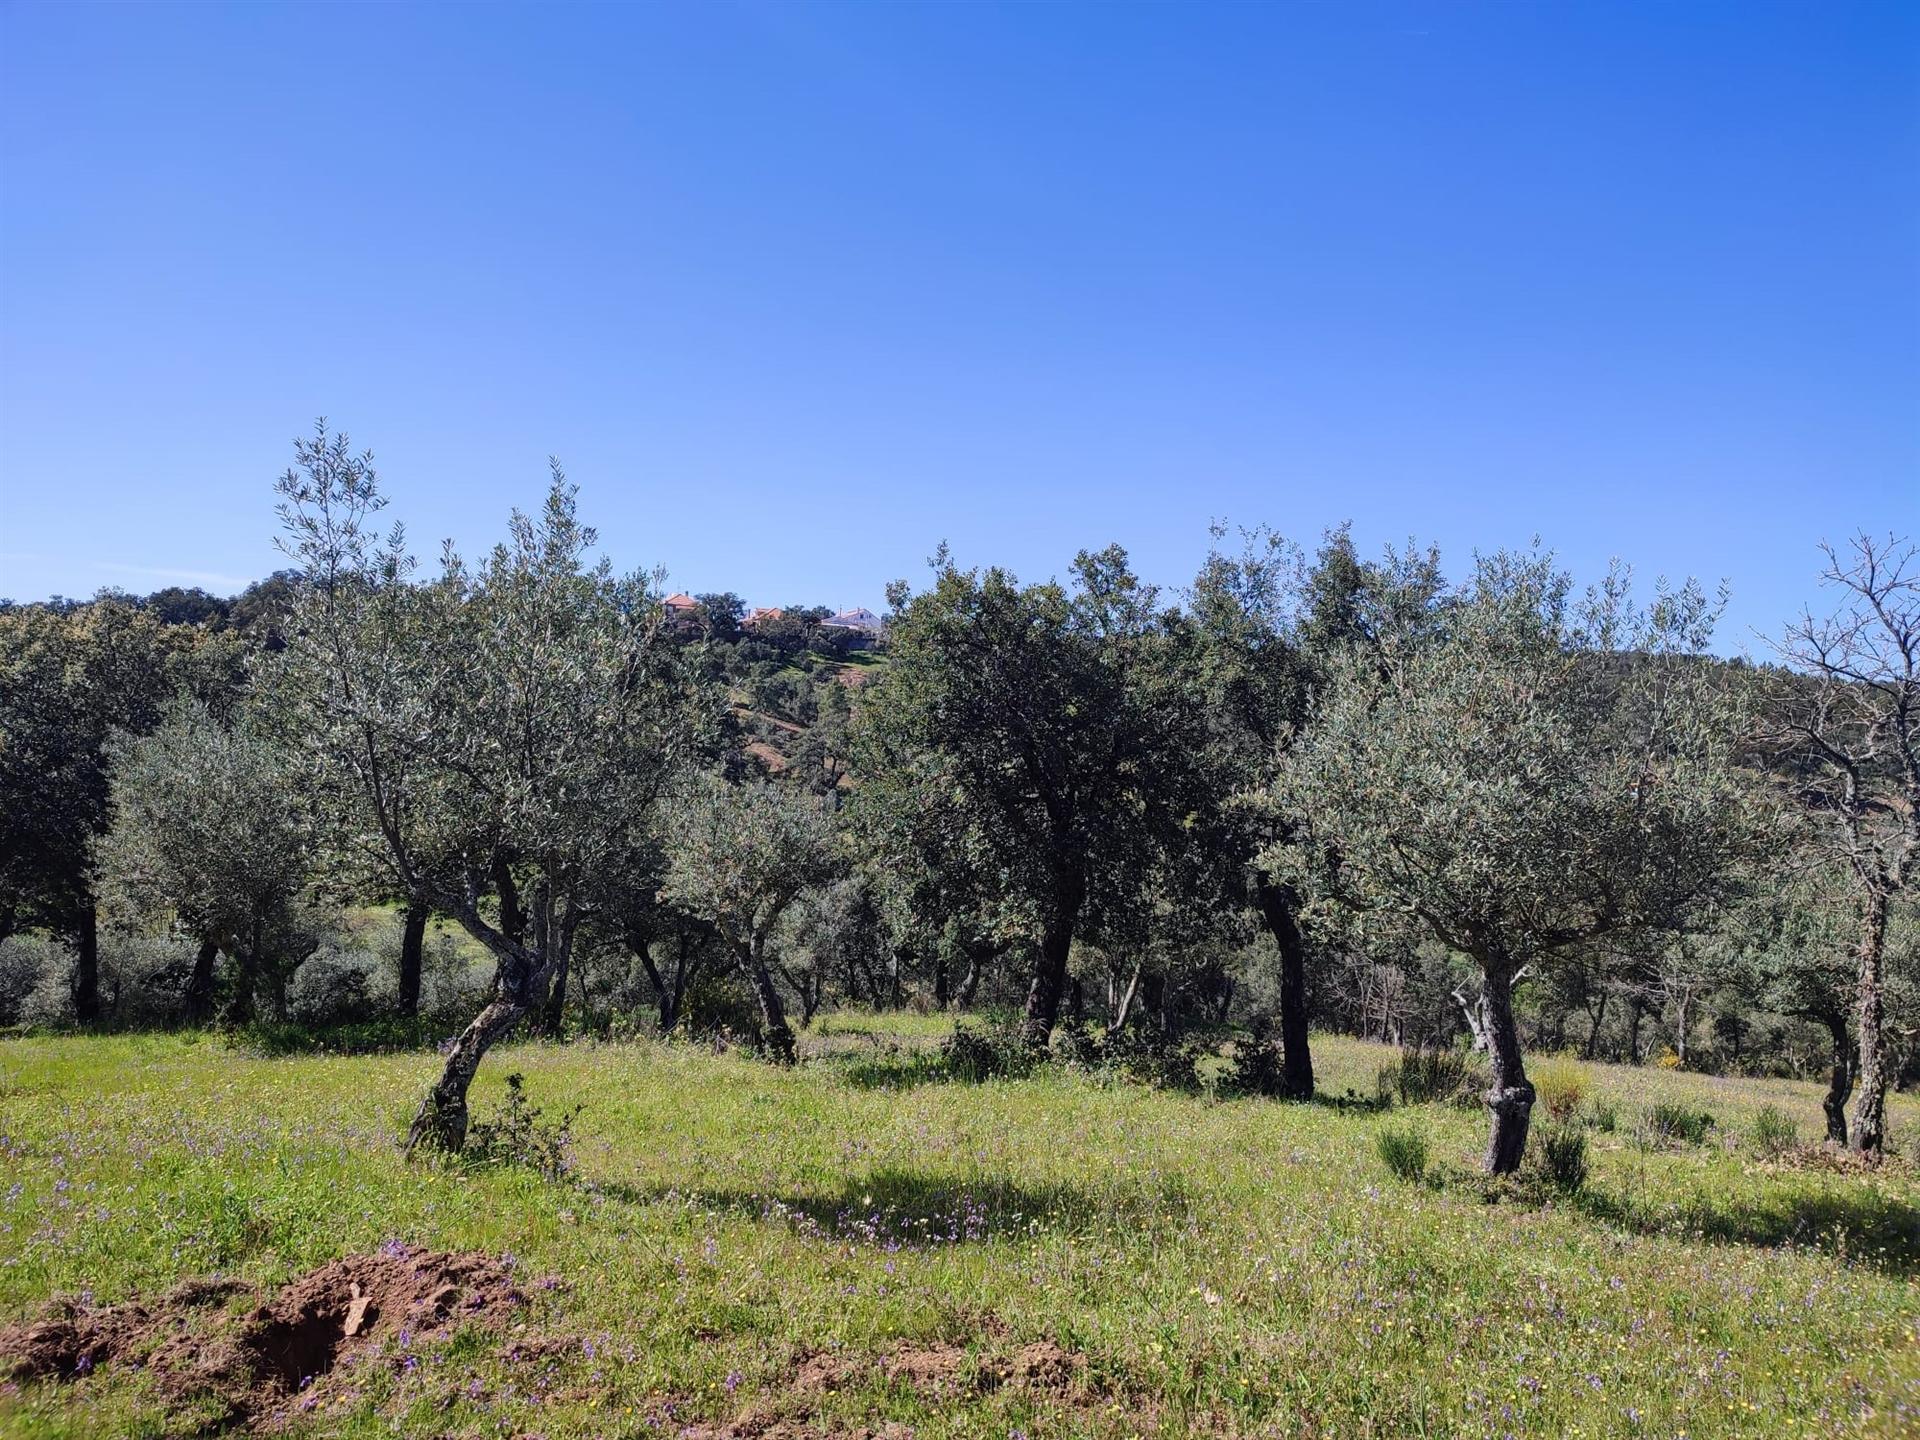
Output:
x=893 y=1070
x=389 y=1036
x=1857 y=1225
x=907 y=1209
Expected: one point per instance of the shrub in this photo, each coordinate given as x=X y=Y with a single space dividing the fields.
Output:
x=1148 y=1056
x=1421 y=1074
x=1669 y=1122
x=515 y=1135
x=332 y=988
x=1561 y=1083
x=1604 y=1115
x=1404 y=1150
x=1562 y=1158
x=995 y=1052
x=1255 y=1069
x=1774 y=1132
x=1667 y=1059
x=23 y=960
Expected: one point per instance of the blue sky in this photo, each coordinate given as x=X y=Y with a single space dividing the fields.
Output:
x=795 y=292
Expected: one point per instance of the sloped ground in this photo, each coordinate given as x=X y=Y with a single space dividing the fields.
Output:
x=182 y=1229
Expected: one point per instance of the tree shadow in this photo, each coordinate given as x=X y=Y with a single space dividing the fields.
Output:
x=1858 y=1225
x=902 y=1070
x=894 y=1208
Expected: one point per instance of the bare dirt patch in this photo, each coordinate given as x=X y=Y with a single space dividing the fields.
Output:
x=197 y=1348
x=932 y=1370
x=941 y=1367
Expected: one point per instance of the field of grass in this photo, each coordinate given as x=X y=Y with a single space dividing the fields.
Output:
x=1219 y=1267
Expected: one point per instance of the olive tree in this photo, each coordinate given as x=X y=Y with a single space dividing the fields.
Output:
x=1849 y=714
x=739 y=856
x=1515 y=776
x=212 y=828
x=495 y=739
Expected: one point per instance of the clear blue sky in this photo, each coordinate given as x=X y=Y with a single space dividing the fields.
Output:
x=797 y=291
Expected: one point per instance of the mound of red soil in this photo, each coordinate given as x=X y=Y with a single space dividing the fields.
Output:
x=256 y=1359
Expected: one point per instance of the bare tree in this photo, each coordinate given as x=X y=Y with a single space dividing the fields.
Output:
x=1850 y=717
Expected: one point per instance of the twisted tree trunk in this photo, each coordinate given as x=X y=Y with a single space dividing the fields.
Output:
x=554 y=1006
x=521 y=977
x=441 y=1123
x=1870 y=1107
x=1840 y=1085
x=969 y=982
x=775 y=1033
x=1510 y=1099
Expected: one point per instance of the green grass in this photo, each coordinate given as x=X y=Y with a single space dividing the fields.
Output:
x=1231 y=1268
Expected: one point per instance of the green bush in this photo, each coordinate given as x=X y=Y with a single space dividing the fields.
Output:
x=1774 y=1132
x=1256 y=1068
x=1670 y=1122
x=1404 y=1149
x=994 y=1053
x=1604 y=1115
x=1562 y=1158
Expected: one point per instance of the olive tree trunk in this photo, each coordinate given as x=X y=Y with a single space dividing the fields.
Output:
x=775 y=1033
x=555 y=1004
x=441 y=1123
x=521 y=977
x=1840 y=1084
x=1870 y=1106
x=1510 y=1099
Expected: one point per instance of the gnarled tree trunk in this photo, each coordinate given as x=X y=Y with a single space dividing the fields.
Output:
x=969 y=983
x=1510 y=1099
x=775 y=1033
x=520 y=982
x=441 y=1123
x=1870 y=1106
x=1278 y=907
x=1840 y=1085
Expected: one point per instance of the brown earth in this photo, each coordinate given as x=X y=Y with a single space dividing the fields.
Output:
x=934 y=1369
x=196 y=1348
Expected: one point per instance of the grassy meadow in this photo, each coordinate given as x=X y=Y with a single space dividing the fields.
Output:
x=1217 y=1267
